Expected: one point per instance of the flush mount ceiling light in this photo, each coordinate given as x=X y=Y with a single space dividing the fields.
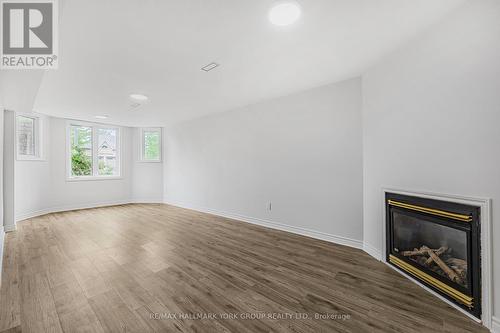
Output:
x=210 y=66
x=139 y=97
x=284 y=13
x=102 y=117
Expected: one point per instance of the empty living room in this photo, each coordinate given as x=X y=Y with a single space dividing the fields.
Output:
x=250 y=166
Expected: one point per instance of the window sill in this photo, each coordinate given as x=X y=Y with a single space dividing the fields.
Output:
x=150 y=161
x=93 y=178
x=32 y=159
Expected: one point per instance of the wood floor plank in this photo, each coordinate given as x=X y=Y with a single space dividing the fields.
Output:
x=16 y=329
x=73 y=309
x=38 y=310
x=120 y=268
x=114 y=314
x=88 y=277
x=10 y=311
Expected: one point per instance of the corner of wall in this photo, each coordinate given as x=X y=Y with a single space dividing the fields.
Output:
x=495 y=327
x=2 y=235
x=372 y=250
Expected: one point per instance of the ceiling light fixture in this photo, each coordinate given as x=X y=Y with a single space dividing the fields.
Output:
x=102 y=117
x=284 y=13
x=210 y=66
x=139 y=97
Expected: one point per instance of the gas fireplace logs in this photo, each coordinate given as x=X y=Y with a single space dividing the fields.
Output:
x=439 y=252
x=454 y=268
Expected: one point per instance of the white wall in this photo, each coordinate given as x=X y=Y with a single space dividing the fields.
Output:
x=1 y=188
x=301 y=152
x=41 y=186
x=431 y=117
x=147 y=177
x=33 y=178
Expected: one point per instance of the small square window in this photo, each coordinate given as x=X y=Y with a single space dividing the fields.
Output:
x=151 y=145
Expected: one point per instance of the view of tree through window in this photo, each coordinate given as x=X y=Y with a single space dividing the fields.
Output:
x=151 y=145
x=106 y=151
x=94 y=151
x=81 y=150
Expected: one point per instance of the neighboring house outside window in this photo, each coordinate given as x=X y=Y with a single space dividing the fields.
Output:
x=94 y=151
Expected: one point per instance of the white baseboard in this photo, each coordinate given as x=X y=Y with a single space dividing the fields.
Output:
x=276 y=225
x=147 y=200
x=9 y=228
x=373 y=251
x=29 y=215
x=495 y=325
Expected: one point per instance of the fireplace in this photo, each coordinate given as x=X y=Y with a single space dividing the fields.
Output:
x=437 y=243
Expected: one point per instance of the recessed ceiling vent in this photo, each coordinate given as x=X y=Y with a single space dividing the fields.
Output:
x=210 y=66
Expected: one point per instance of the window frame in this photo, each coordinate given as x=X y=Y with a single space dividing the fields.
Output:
x=95 y=147
x=142 y=141
x=37 y=137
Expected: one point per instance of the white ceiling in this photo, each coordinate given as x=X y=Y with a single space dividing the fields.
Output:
x=109 y=49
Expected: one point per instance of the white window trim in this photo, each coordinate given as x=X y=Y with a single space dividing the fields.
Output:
x=141 y=144
x=38 y=123
x=95 y=164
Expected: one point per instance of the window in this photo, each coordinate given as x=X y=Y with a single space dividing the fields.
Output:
x=107 y=152
x=94 y=151
x=81 y=150
x=28 y=137
x=151 y=144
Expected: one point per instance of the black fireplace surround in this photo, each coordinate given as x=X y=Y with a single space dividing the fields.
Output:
x=437 y=243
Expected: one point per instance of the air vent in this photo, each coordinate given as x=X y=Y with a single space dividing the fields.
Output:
x=210 y=66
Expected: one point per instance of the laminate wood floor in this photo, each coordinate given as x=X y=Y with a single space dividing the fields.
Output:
x=145 y=268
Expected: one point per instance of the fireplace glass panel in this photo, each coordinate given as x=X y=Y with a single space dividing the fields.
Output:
x=414 y=235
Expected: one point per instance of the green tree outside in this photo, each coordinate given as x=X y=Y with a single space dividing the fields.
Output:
x=104 y=169
x=81 y=162
x=152 y=145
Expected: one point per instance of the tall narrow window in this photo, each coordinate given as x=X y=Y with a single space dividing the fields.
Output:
x=28 y=137
x=106 y=151
x=81 y=150
x=151 y=144
x=94 y=151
